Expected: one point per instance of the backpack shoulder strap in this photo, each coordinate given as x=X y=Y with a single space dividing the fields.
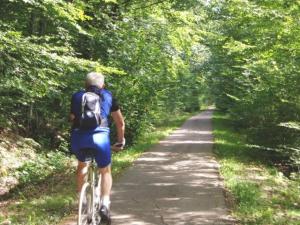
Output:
x=83 y=101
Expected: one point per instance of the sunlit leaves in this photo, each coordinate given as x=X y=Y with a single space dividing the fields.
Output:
x=236 y=46
x=291 y=125
x=54 y=43
x=255 y=69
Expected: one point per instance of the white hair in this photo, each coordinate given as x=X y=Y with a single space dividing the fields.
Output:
x=94 y=78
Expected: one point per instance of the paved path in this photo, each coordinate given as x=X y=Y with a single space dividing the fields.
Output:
x=176 y=182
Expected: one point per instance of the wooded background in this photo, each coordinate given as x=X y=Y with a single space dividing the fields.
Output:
x=158 y=57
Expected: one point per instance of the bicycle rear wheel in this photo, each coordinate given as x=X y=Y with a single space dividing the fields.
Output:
x=85 y=209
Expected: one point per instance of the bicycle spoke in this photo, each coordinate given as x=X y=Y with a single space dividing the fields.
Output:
x=89 y=203
x=85 y=205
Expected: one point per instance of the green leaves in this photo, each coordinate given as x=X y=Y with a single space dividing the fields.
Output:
x=254 y=72
x=233 y=46
x=36 y=78
x=50 y=45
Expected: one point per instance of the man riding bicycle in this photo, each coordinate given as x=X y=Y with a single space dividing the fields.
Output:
x=90 y=111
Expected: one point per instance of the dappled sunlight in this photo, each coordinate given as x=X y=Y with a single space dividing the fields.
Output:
x=186 y=142
x=147 y=159
x=186 y=131
x=163 y=184
x=178 y=135
x=176 y=182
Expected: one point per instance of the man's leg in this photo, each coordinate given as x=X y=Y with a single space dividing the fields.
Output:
x=106 y=184
x=82 y=170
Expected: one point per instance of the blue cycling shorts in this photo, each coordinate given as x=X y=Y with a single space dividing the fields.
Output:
x=97 y=139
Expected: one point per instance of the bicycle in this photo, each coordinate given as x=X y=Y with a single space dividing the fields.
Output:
x=89 y=201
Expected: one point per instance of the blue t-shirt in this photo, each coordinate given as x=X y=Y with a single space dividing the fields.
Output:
x=108 y=105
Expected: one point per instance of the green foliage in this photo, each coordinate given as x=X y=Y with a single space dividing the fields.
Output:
x=151 y=57
x=254 y=72
x=41 y=167
x=55 y=197
x=159 y=57
x=48 y=209
x=35 y=79
x=260 y=194
x=47 y=47
x=247 y=195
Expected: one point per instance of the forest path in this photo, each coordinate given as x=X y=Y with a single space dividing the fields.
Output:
x=176 y=182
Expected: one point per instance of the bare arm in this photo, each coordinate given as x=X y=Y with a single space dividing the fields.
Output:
x=120 y=124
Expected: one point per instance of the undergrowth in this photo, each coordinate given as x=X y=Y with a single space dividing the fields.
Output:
x=261 y=194
x=47 y=189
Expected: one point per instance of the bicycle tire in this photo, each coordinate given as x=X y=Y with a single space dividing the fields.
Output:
x=97 y=197
x=98 y=191
x=85 y=205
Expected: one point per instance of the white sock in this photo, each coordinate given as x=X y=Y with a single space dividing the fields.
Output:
x=105 y=201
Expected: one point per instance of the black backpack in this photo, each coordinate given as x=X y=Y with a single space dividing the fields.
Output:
x=90 y=111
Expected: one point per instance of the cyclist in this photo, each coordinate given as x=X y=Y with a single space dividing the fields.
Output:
x=97 y=138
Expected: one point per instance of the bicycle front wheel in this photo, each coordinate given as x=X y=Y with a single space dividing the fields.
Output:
x=85 y=209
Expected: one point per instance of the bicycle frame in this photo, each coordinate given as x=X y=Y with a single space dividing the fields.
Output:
x=92 y=180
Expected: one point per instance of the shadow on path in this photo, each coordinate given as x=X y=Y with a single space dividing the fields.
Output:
x=176 y=182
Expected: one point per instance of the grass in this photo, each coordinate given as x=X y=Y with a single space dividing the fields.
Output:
x=48 y=201
x=261 y=194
